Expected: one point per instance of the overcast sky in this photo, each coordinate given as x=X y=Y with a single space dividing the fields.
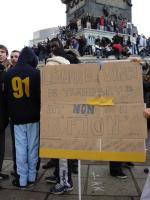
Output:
x=20 y=18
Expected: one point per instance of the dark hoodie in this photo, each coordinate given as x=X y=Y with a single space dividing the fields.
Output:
x=3 y=107
x=22 y=85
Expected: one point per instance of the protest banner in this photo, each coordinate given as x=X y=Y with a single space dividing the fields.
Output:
x=93 y=112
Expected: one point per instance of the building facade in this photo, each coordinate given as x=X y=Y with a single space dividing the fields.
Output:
x=41 y=35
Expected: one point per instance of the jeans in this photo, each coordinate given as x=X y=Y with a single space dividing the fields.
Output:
x=98 y=53
x=27 y=146
x=133 y=49
x=63 y=172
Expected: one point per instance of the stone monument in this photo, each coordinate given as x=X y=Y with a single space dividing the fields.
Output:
x=78 y=8
x=113 y=9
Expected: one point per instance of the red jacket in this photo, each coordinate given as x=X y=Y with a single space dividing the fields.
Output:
x=102 y=21
x=117 y=46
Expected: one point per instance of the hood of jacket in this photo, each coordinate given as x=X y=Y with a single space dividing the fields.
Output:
x=27 y=57
x=57 y=60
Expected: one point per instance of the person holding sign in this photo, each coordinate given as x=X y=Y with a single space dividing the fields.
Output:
x=22 y=85
x=146 y=191
x=146 y=85
x=62 y=174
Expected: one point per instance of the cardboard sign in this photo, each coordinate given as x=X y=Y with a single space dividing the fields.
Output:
x=93 y=112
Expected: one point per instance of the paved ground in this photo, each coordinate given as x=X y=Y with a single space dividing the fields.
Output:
x=97 y=184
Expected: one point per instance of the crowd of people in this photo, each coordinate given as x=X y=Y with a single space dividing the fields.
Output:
x=111 y=23
x=120 y=45
x=20 y=107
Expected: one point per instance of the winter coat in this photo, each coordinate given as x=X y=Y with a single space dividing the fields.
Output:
x=3 y=104
x=57 y=60
x=22 y=85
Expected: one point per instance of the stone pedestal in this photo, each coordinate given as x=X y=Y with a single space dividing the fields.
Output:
x=98 y=33
x=78 y=8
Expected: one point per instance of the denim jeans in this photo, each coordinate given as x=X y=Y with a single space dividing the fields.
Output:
x=27 y=146
x=133 y=49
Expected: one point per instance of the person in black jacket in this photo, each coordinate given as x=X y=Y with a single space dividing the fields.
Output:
x=13 y=59
x=22 y=85
x=3 y=108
